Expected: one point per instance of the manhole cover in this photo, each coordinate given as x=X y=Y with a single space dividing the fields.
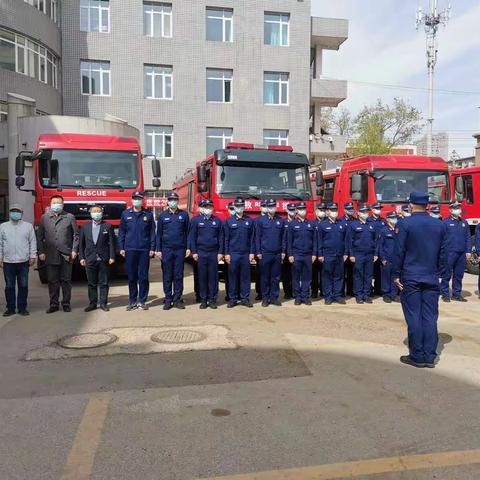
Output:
x=178 y=336
x=87 y=340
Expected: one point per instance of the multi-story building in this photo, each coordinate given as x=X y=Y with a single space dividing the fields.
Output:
x=439 y=145
x=190 y=75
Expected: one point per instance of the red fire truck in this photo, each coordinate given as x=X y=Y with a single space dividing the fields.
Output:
x=85 y=170
x=251 y=172
x=387 y=179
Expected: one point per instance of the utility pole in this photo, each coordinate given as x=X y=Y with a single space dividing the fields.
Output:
x=431 y=22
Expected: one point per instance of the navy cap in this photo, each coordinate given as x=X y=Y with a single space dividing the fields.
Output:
x=391 y=215
x=363 y=207
x=348 y=206
x=332 y=206
x=239 y=202
x=419 y=198
x=376 y=205
x=270 y=203
x=435 y=209
x=455 y=204
x=263 y=202
x=230 y=205
x=201 y=203
x=138 y=195
x=172 y=196
x=405 y=208
x=301 y=205
x=291 y=207
x=322 y=206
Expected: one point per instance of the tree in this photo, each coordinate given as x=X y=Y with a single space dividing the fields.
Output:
x=381 y=127
x=337 y=122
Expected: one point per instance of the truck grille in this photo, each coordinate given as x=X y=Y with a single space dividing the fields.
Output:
x=81 y=211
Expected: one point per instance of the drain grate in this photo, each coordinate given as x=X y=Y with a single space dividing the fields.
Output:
x=87 y=340
x=178 y=336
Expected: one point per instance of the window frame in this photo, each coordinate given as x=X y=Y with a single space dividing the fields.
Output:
x=102 y=71
x=225 y=138
x=281 y=23
x=280 y=142
x=224 y=21
x=280 y=83
x=224 y=79
x=163 y=76
x=163 y=17
x=89 y=6
x=162 y=134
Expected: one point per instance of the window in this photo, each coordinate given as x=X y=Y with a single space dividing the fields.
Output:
x=48 y=7
x=276 y=29
x=21 y=55
x=95 y=16
x=158 y=82
x=468 y=194
x=219 y=85
x=219 y=24
x=159 y=140
x=157 y=19
x=328 y=190
x=275 y=88
x=95 y=77
x=275 y=137
x=217 y=138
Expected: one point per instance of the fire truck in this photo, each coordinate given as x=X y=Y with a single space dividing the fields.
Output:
x=85 y=170
x=388 y=179
x=251 y=172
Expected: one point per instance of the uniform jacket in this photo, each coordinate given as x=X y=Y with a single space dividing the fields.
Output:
x=387 y=245
x=57 y=236
x=458 y=235
x=103 y=250
x=477 y=239
x=422 y=249
x=239 y=235
x=205 y=235
x=269 y=232
x=172 y=230
x=332 y=239
x=378 y=223
x=137 y=230
x=302 y=238
x=361 y=238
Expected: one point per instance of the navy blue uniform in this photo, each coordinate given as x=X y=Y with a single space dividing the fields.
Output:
x=302 y=245
x=379 y=223
x=136 y=236
x=458 y=244
x=317 y=268
x=286 y=265
x=172 y=233
x=421 y=244
x=348 y=265
x=361 y=241
x=332 y=247
x=239 y=244
x=205 y=239
x=269 y=233
x=387 y=254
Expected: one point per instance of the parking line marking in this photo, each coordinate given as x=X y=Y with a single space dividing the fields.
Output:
x=80 y=459
x=365 y=467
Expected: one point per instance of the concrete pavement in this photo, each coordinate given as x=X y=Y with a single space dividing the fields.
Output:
x=306 y=392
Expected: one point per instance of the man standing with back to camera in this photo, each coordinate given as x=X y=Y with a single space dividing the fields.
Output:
x=421 y=258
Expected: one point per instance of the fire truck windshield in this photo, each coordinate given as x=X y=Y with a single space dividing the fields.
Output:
x=88 y=168
x=290 y=181
x=393 y=186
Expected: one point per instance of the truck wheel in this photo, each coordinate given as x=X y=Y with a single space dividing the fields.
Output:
x=473 y=264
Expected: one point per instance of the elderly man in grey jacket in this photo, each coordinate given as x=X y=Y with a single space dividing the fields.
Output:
x=18 y=251
x=57 y=238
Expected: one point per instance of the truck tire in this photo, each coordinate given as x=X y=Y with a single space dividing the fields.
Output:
x=473 y=264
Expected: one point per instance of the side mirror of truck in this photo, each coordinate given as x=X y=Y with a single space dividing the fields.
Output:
x=20 y=182
x=202 y=174
x=459 y=189
x=356 y=187
x=220 y=157
x=22 y=157
x=319 y=178
x=156 y=182
x=156 y=170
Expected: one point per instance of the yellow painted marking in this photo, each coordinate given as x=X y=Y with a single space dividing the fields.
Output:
x=80 y=460
x=365 y=467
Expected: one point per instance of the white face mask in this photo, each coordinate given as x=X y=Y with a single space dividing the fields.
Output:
x=137 y=203
x=392 y=221
x=376 y=211
x=457 y=212
x=264 y=210
x=239 y=210
x=407 y=214
x=363 y=215
x=333 y=215
x=201 y=210
x=435 y=215
x=272 y=210
x=302 y=213
x=321 y=214
x=290 y=214
x=207 y=212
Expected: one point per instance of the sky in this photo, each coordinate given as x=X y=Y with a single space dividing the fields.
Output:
x=384 y=47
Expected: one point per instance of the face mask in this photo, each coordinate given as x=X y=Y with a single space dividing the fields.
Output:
x=96 y=215
x=392 y=221
x=302 y=213
x=407 y=214
x=264 y=210
x=291 y=214
x=207 y=212
x=56 y=207
x=239 y=210
x=136 y=202
x=350 y=212
x=435 y=215
x=376 y=211
x=172 y=204
x=457 y=212
x=321 y=214
x=15 y=216
x=272 y=210
x=231 y=211
x=333 y=215
x=363 y=215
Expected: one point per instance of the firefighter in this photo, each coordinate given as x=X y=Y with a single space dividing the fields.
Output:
x=269 y=231
x=435 y=212
x=332 y=253
x=230 y=213
x=286 y=265
x=136 y=237
x=361 y=246
x=320 y=216
x=258 y=273
x=421 y=256
x=348 y=216
x=458 y=252
x=172 y=234
x=239 y=252
x=386 y=252
x=206 y=241
x=379 y=223
x=302 y=250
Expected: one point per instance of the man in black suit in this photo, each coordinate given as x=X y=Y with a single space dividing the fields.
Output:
x=97 y=253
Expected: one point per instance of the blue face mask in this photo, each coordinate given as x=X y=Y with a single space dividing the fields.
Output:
x=96 y=216
x=15 y=216
x=393 y=221
x=239 y=210
x=172 y=204
x=137 y=202
x=56 y=207
x=349 y=212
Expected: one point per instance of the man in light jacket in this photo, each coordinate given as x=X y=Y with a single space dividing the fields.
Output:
x=18 y=251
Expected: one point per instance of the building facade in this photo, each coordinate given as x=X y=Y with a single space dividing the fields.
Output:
x=440 y=145
x=190 y=75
